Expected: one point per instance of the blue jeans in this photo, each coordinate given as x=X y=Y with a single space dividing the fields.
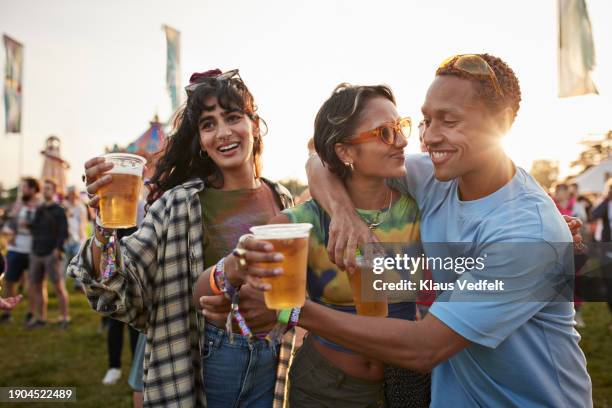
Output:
x=238 y=374
x=137 y=370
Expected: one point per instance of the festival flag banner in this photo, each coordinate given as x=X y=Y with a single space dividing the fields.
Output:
x=13 y=76
x=576 y=49
x=173 y=65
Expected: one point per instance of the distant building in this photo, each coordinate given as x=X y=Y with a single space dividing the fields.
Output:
x=54 y=167
x=593 y=179
x=146 y=145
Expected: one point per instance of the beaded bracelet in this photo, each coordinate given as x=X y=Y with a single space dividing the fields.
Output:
x=108 y=248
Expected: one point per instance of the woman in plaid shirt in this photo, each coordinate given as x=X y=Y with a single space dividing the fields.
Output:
x=206 y=192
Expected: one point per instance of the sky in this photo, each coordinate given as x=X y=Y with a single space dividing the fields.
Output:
x=94 y=72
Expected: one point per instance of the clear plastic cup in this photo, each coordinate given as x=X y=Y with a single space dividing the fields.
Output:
x=289 y=288
x=119 y=199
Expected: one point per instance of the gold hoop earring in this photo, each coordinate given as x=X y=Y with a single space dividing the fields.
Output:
x=350 y=165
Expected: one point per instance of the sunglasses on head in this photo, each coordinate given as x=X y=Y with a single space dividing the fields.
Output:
x=226 y=76
x=474 y=65
x=387 y=132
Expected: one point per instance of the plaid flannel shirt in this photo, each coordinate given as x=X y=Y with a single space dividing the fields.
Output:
x=152 y=290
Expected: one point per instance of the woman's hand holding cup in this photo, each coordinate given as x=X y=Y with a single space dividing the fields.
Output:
x=252 y=260
x=95 y=178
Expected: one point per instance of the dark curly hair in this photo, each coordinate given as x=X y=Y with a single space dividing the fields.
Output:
x=32 y=183
x=181 y=160
x=508 y=82
x=338 y=118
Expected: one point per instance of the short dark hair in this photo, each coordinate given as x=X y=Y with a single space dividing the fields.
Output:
x=508 y=82
x=338 y=118
x=32 y=183
x=53 y=183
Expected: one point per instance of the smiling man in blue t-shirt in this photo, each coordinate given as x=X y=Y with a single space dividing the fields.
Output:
x=516 y=348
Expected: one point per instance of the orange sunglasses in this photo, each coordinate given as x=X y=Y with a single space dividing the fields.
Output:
x=473 y=65
x=388 y=132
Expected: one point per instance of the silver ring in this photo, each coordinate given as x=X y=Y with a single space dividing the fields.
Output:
x=243 y=239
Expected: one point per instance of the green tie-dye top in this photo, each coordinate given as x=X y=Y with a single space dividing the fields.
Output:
x=326 y=283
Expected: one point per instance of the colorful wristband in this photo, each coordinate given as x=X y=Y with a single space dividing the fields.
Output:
x=284 y=315
x=233 y=294
x=213 y=284
x=295 y=317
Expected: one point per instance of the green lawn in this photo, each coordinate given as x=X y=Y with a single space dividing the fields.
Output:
x=77 y=357
x=597 y=345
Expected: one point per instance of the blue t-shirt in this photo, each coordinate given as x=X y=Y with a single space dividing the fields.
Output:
x=523 y=352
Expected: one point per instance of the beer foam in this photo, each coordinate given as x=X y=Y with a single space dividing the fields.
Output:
x=132 y=171
x=282 y=231
x=135 y=164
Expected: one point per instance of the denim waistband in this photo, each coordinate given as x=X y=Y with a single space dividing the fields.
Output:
x=218 y=336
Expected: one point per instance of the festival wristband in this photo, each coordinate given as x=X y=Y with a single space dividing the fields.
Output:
x=110 y=249
x=295 y=317
x=284 y=315
x=234 y=295
x=289 y=317
x=221 y=279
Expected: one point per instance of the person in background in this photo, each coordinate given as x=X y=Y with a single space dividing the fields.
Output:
x=567 y=203
x=9 y=303
x=49 y=233
x=114 y=339
x=20 y=242
x=603 y=213
x=588 y=230
x=566 y=200
x=76 y=213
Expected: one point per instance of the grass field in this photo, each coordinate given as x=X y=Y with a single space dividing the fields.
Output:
x=77 y=357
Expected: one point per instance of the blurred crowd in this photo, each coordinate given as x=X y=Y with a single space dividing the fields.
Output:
x=593 y=210
x=39 y=234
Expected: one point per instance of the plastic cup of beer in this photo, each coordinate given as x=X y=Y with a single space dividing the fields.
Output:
x=368 y=300
x=288 y=289
x=119 y=199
